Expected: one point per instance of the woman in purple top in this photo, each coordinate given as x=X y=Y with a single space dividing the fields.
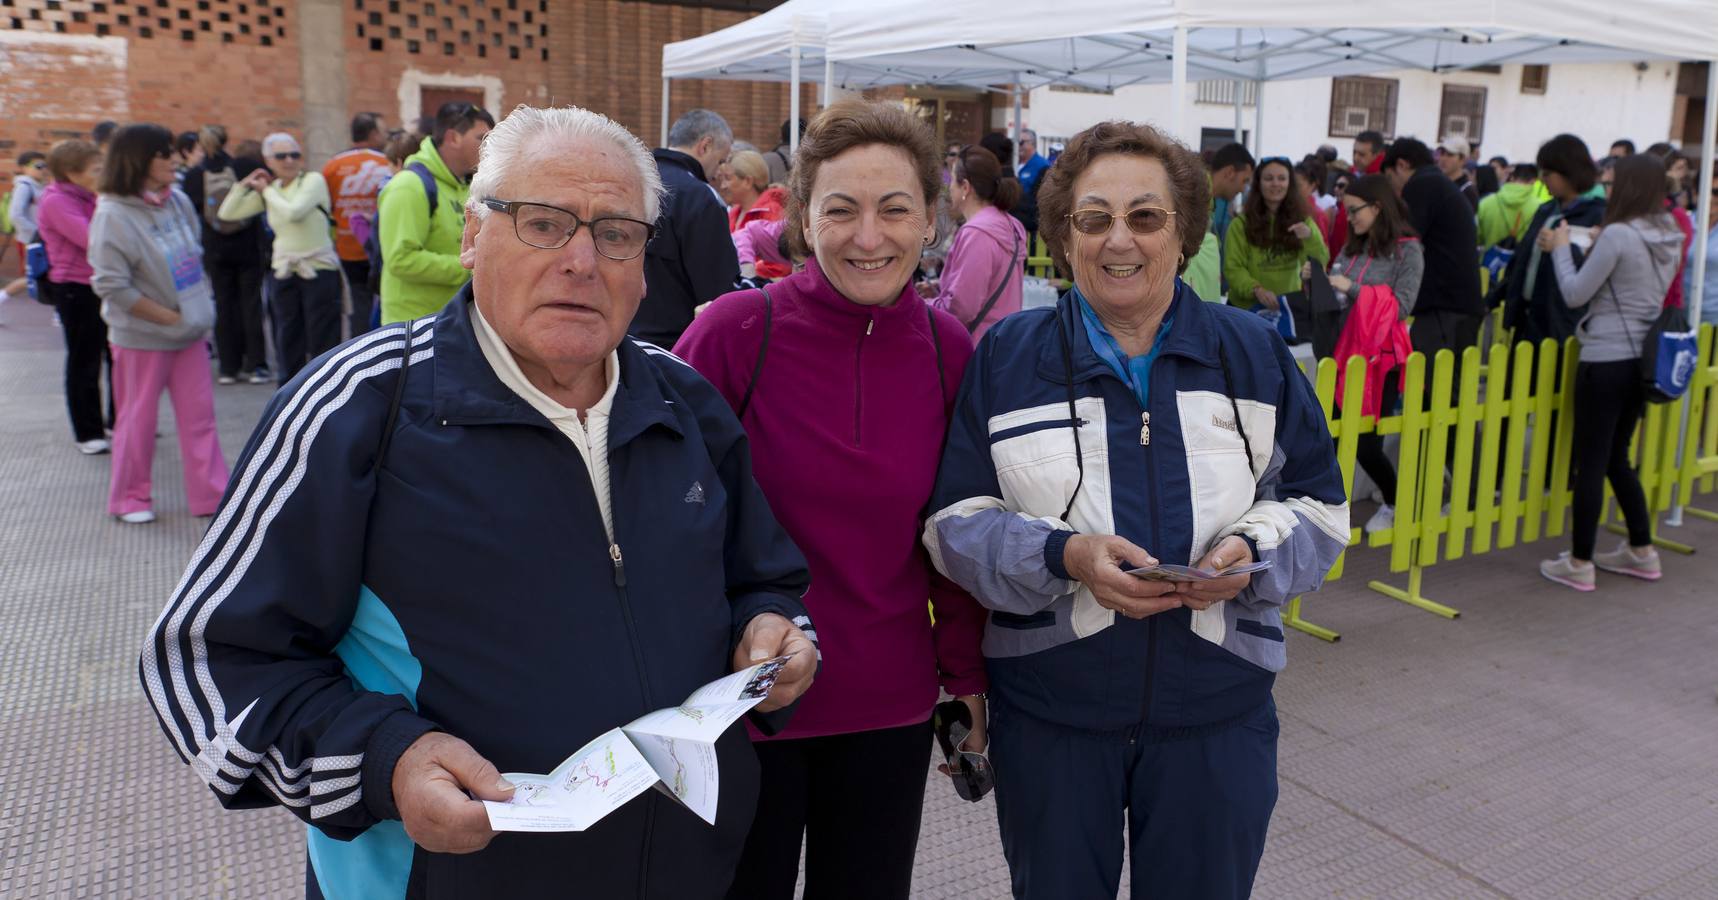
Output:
x=844 y=379
x=982 y=278
x=63 y=222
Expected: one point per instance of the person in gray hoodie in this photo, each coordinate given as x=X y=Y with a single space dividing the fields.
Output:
x=146 y=253
x=1623 y=284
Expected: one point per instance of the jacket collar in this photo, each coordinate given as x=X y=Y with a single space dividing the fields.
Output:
x=820 y=300
x=1193 y=337
x=466 y=390
x=683 y=160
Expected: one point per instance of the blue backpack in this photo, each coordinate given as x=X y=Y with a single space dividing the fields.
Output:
x=373 y=240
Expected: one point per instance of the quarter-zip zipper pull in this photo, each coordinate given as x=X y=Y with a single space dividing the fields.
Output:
x=1145 y=429
x=619 y=565
x=870 y=325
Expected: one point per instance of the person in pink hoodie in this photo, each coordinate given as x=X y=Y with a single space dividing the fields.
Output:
x=63 y=220
x=846 y=416
x=982 y=277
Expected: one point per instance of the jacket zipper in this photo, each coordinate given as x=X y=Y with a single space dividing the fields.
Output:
x=1151 y=623
x=619 y=561
x=859 y=381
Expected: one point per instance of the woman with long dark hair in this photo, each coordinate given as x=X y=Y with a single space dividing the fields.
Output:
x=1623 y=285
x=1269 y=240
x=1382 y=250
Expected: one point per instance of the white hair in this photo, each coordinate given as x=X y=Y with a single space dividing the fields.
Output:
x=546 y=131
x=280 y=137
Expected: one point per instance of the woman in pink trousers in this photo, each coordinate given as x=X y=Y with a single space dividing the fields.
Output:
x=146 y=251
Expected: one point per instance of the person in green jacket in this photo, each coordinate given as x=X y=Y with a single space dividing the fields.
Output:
x=420 y=246
x=1509 y=212
x=1204 y=269
x=1269 y=239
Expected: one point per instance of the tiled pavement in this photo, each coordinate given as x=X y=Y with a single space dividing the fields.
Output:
x=1546 y=744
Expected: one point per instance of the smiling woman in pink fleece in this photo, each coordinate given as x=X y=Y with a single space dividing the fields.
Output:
x=846 y=416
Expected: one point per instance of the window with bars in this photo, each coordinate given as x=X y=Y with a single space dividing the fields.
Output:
x=1222 y=93
x=1534 y=79
x=1463 y=113
x=1363 y=104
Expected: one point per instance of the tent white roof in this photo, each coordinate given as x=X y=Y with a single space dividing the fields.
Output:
x=756 y=49
x=1112 y=43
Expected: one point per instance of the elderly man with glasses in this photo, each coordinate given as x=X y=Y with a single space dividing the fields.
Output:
x=473 y=542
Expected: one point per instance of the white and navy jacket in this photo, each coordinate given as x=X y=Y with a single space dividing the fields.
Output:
x=1010 y=469
x=336 y=610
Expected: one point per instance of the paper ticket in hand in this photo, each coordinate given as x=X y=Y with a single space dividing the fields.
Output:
x=1172 y=572
x=672 y=750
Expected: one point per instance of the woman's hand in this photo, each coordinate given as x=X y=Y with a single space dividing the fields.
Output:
x=1342 y=283
x=1306 y=270
x=257 y=180
x=928 y=288
x=1230 y=551
x=1096 y=561
x=1552 y=238
x=159 y=314
x=1264 y=297
x=1300 y=231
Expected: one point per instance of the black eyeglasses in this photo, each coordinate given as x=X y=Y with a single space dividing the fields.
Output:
x=290 y=154
x=551 y=227
x=1140 y=220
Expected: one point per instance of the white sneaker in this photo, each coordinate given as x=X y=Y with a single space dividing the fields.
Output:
x=1382 y=520
x=226 y=379
x=94 y=447
x=140 y=517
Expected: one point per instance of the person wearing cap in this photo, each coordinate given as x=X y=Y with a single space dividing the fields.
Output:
x=1452 y=161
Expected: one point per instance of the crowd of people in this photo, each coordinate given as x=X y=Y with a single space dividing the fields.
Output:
x=691 y=408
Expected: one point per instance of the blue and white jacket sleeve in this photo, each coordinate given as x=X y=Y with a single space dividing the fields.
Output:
x=1008 y=560
x=1299 y=518
x=240 y=667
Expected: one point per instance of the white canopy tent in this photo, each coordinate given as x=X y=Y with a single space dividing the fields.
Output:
x=1106 y=44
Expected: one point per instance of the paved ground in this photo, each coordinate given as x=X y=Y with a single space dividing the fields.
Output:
x=1547 y=744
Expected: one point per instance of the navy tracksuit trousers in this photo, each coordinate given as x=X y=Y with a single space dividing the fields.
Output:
x=1197 y=803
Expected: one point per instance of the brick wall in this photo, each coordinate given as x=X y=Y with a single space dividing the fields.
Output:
x=184 y=63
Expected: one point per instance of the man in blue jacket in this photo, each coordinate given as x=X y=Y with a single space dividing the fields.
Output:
x=473 y=542
x=691 y=261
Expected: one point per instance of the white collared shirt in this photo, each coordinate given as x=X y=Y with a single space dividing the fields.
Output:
x=590 y=435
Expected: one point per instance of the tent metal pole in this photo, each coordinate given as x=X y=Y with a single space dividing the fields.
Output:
x=1018 y=125
x=793 y=99
x=1259 y=112
x=1697 y=299
x=1240 y=130
x=667 y=86
x=828 y=81
x=1178 y=86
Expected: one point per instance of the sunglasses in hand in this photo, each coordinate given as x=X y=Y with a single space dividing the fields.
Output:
x=971 y=772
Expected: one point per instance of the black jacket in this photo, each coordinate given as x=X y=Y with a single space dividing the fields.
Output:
x=242 y=247
x=337 y=610
x=1450 y=238
x=691 y=260
x=1541 y=313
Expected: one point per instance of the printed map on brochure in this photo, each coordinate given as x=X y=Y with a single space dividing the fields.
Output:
x=1172 y=572
x=673 y=750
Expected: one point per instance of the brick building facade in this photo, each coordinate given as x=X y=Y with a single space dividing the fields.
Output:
x=305 y=66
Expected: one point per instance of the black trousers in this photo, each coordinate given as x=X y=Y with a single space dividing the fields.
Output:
x=855 y=799
x=86 y=350
x=358 y=284
x=238 y=314
x=1369 y=448
x=306 y=313
x=1609 y=402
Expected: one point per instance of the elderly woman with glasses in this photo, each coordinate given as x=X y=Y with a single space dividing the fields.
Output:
x=1128 y=427
x=305 y=284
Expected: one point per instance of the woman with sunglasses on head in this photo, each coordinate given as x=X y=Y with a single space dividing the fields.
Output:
x=1382 y=251
x=1131 y=425
x=305 y=284
x=982 y=277
x=844 y=380
x=1270 y=238
x=146 y=261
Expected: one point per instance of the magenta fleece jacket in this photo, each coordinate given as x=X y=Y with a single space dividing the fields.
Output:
x=846 y=424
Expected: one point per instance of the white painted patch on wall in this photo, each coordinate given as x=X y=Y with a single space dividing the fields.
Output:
x=99 y=61
x=412 y=83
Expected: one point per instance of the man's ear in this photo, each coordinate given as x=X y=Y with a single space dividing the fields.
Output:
x=468 y=240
